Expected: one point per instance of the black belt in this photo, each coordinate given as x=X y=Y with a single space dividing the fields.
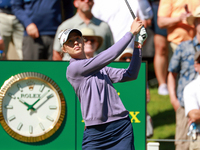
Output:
x=6 y=11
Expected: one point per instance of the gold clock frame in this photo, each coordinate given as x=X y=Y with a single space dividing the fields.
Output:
x=24 y=76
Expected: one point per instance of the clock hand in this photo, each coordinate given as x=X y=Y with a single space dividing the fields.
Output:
x=48 y=97
x=31 y=106
x=22 y=101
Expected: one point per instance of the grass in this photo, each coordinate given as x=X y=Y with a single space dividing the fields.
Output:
x=163 y=116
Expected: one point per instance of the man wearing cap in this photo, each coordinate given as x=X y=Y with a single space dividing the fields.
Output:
x=181 y=66
x=84 y=18
x=191 y=96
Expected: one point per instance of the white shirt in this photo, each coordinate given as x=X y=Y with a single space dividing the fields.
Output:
x=117 y=15
x=191 y=95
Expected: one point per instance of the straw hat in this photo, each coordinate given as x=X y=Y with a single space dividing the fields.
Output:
x=126 y=53
x=196 y=14
x=88 y=32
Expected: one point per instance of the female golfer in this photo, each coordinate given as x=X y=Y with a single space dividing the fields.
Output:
x=108 y=126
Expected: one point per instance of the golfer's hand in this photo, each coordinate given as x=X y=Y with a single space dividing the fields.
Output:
x=136 y=26
x=32 y=30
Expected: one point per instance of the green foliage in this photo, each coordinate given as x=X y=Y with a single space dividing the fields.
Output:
x=163 y=116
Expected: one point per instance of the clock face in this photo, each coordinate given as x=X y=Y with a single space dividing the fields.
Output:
x=32 y=105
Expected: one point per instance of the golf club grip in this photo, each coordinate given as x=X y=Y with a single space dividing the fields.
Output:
x=129 y=7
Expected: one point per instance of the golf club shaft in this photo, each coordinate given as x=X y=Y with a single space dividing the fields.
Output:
x=131 y=11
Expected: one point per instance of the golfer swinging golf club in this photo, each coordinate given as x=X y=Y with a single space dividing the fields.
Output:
x=107 y=122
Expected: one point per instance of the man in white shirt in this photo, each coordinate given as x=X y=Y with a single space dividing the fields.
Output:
x=191 y=96
x=117 y=15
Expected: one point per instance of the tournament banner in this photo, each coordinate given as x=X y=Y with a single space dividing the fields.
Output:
x=31 y=90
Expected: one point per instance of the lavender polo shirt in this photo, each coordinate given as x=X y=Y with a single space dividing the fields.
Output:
x=93 y=82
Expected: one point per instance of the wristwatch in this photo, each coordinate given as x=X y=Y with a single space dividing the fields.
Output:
x=32 y=107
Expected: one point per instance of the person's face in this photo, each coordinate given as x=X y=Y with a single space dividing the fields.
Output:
x=84 y=5
x=91 y=45
x=74 y=46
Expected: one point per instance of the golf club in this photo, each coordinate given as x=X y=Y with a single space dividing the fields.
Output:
x=133 y=15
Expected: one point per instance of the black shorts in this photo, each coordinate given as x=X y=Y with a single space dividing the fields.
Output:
x=155 y=27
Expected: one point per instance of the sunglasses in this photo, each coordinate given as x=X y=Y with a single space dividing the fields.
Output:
x=89 y=39
x=125 y=58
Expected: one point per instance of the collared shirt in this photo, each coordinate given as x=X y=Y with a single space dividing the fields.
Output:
x=93 y=82
x=101 y=28
x=182 y=63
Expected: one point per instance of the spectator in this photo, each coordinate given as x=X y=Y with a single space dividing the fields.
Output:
x=161 y=51
x=119 y=17
x=172 y=16
x=84 y=18
x=181 y=67
x=11 y=29
x=92 y=42
x=192 y=103
x=191 y=91
x=41 y=20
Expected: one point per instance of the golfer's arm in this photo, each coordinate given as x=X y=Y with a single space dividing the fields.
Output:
x=123 y=75
x=107 y=56
x=134 y=67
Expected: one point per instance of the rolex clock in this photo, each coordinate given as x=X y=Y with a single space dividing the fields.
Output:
x=32 y=107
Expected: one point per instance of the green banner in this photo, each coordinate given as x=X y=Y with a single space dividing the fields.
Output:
x=69 y=134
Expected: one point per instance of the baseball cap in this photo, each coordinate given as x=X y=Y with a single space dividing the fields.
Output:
x=64 y=34
x=125 y=53
x=196 y=14
x=197 y=56
x=89 y=32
